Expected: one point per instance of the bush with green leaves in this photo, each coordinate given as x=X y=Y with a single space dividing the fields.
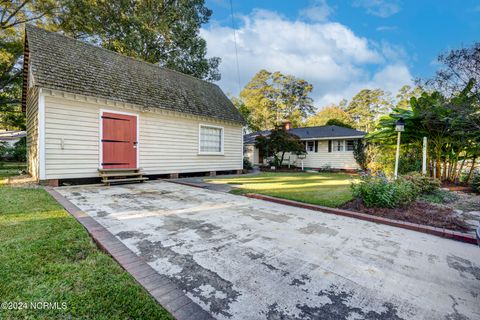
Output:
x=247 y=164
x=476 y=183
x=423 y=183
x=377 y=191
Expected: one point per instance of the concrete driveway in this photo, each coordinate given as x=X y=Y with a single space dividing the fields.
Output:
x=242 y=258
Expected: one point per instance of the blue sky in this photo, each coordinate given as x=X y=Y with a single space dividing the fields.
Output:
x=339 y=46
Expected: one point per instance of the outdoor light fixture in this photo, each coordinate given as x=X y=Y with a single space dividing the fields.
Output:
x=399 y=127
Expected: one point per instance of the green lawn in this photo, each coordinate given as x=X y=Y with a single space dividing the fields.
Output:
x=47 y=256
x=8 y=169
x=326 y=189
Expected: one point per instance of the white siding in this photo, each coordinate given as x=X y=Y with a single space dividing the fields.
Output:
x=251 y=153
x=322 y=158
x=334 y=159
x=32 y=132
x=167 y=143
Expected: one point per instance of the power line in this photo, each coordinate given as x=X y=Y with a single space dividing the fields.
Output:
x=236 y=49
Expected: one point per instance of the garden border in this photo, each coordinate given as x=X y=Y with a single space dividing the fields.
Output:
x=440 y=232
x=162 y=289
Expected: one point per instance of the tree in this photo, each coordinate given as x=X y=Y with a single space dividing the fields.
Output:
x=448 y=123
x=13 y=15
x=360 y=154
x=279 y=142
x=336 y=122
x=406 y=93
x=165 y=32
x=272 y=98
x=459 y=67
x=367 y=106
x=328 y=113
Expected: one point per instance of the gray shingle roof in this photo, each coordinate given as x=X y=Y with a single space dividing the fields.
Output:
x=321 y=132
x=62 y=63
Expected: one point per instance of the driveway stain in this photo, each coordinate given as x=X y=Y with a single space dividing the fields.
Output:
x=318 y=229
x=192 y=277
x=339 y=308
x=463 y=266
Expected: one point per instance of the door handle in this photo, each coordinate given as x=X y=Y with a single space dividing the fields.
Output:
x=135 y=144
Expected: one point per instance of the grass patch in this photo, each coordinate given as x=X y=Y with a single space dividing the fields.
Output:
x=9 y=169
x=326 y=189
x=47 y=256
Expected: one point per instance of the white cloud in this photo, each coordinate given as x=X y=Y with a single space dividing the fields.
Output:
x=379 y=8
x=318 y=11
x=329 y=55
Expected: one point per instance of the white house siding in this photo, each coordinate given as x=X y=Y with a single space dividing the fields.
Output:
x=32 y=131
x=168 y=143
x=322 y=158
x=251 y=153
x=334 y=159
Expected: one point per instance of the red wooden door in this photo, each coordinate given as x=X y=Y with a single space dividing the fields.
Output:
x=119 y=141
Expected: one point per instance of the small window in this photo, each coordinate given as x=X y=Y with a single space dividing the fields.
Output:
x=310 y=146
x=338 y=145
x=211 y=140
x=350 y=145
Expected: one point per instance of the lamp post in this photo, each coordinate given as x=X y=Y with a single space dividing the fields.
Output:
x=399 y=127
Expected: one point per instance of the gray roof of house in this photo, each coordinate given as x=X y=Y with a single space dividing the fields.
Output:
x=321 y=132
x=62 y=63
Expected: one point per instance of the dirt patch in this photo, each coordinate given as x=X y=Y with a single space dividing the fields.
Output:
x=418 y=212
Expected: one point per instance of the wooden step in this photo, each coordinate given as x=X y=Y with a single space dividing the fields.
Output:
x=125 y=180
x=120 y=174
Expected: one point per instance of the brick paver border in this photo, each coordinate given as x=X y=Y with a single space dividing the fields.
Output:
x=441 y=232
x=164 y=291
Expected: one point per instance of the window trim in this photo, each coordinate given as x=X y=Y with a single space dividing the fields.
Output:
x=206 y=153
x=336 y=145
x=307 y=147
x=346 y=145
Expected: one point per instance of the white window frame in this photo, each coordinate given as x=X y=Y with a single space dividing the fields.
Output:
x=346 y=145
x=335 y=145
x=204 y=153
x=307 y=147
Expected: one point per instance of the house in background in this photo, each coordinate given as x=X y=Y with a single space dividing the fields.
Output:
x=12 y=137
x=89 y=108
x=326 y=147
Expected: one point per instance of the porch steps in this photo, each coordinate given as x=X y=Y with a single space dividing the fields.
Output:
x=119 y=176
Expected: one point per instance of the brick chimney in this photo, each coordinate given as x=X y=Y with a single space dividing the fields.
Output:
x=287 y=125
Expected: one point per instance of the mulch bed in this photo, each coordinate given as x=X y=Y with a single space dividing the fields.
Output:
x=418 y=212
x=457 y=187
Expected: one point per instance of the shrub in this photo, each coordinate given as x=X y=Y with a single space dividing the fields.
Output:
x=379 y=192
x=439 y=196
x=247 y=164
x=422 y=183
x=476 y=183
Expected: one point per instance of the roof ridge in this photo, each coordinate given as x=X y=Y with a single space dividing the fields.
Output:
x=30 y=26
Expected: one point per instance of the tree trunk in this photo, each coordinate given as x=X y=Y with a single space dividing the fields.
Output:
x=459 y=171
x=470 y=174
x=281 y=159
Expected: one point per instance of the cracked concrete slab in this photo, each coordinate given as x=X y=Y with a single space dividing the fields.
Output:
x=242 y=258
